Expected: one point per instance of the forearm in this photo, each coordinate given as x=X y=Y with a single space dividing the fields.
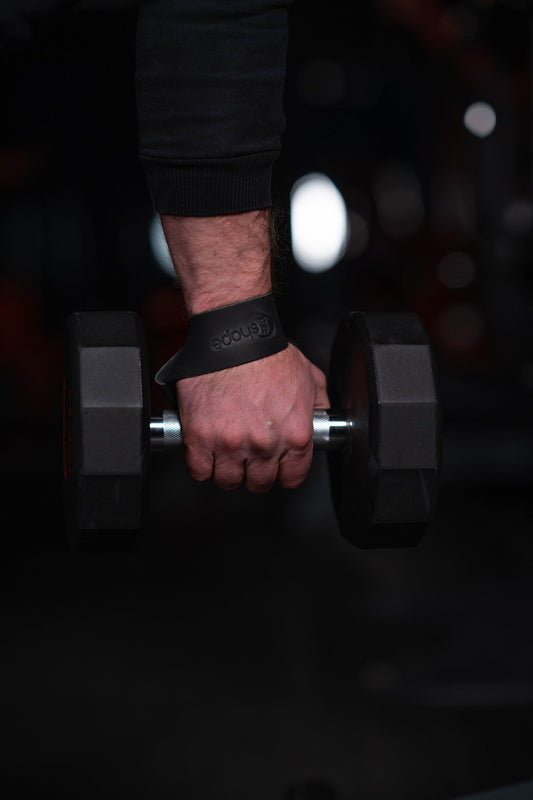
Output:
x=209 y=88
x=220 y=260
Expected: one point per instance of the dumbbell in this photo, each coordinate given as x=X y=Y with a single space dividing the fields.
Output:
x=382 y=436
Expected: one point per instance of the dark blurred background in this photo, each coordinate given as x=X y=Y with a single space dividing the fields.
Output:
x=244 y=650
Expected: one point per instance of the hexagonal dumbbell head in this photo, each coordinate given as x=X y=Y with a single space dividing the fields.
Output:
x=384 y=484
x=106 y=427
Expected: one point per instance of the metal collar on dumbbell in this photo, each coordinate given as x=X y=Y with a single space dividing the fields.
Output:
x=165 y=431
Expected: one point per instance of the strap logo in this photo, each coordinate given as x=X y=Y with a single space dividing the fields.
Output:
x=261 y=326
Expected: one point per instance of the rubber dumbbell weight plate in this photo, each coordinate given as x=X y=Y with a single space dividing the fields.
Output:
x=106 y=429
x=384 y=482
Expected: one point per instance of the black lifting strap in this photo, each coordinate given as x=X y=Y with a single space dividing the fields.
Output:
x=224 y=337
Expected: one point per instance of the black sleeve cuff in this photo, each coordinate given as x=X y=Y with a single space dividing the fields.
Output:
x=209 y=187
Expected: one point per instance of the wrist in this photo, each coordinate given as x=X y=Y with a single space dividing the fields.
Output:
x=220 y=260
x=199 y=299
x=222 y=338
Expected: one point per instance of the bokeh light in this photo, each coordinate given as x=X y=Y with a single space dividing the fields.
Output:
x=159 y=247
x=518 y=217
x=456 y=270
x=480 y=119
x=319 y=223
x=460 y=328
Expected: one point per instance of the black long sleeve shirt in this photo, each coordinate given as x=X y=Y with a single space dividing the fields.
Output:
x=210 y=79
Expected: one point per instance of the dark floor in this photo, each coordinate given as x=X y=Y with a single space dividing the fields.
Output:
x=245 y=649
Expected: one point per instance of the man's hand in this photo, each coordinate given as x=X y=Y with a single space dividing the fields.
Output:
x=252 y=423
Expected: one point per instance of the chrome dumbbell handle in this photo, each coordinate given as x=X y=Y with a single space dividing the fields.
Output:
x=331 y=430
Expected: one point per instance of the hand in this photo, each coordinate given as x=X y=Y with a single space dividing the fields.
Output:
x=254 y=422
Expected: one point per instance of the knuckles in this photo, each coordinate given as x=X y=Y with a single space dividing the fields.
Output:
x=198 y=436
x=264 y=443
x=229 y=440
x=250 y=454
x=199 y=469
x=300 y=438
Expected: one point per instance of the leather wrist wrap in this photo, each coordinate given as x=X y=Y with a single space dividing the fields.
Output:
x=224 y=337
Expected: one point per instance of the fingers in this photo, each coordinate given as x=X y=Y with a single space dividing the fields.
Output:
x=231 y=459
x=199 y=461
x=253 y=424
x=288 y=464
x=321 y=391
x=259 y=466
x=296 y=460
x=253 y=459
x=293 y=468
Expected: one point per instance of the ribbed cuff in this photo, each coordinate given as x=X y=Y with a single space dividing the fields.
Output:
x=209 y=187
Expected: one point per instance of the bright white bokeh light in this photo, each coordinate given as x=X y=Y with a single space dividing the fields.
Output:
x=159 y=247
x=319 y=223
x=480 y=119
